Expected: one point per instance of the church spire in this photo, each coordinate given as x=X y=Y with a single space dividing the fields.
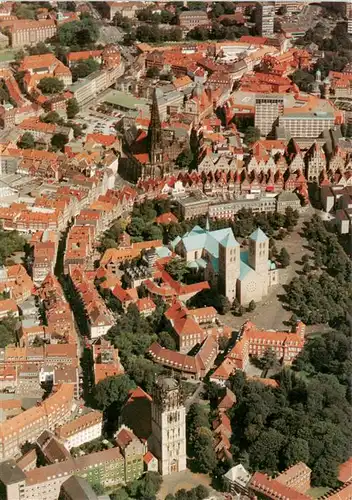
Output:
x=154 y=132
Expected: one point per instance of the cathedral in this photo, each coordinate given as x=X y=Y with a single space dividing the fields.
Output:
x=217 y=256
x=152 y=154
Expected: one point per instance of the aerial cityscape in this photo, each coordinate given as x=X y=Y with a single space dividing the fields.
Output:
x=175 y=250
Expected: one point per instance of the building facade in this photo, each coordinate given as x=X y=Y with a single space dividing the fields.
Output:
x=268 y=108
x=265 y=15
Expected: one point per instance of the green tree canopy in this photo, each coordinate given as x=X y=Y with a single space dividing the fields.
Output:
x=51 y=85
x=177 y=268
x=26 y=141
x=113 y=390
x=84 y=68
x=72 y=108
x=251 y=135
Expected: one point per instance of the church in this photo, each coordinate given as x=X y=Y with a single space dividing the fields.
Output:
x=245 y=275
x=152 y=154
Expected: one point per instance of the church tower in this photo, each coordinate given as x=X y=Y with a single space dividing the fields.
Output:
x=258 y=254
x=155 y=132
x=229 y=265
x=168 y=440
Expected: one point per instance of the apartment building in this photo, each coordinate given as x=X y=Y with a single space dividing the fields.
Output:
x=348 y=5
x=228 y=210
x=28 y=425
x=87 y=89
x=112 y=467
x=83 y=429
x=264 y=17
x=45 y=245
x=29 y=32
x=99 y=318
x=189 y=19
x=106 y=360
x=306 y=124
x=268 y=108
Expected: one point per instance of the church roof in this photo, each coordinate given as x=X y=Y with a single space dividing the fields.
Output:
x=245 y=268
x=229 y=241
x=258 y=235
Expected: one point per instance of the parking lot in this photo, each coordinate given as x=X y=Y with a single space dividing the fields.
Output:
x=98 y=123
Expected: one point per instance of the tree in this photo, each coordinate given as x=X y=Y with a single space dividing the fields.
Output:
x=282 y=10
x=142 y=371
x=251 y=306
x=269 y=360
x=166 y=340
x=51 y=117
x=58 y=141
x=204 y=450
x=284 y=257
x=225 y=305
x=251 y=135
x=38 y=49
x=177 y=268
x=24 y=12
x=201 y=492
x=153 y=72
x=120 y=494
x=10 y=242
x=98 y=488
x=184 y=159
x=149 y=486
x=241 y=311
x=26 y=141
x=223 y=342
x=113 y=390
x=80 y=33
x=8 y=329
x=51 y=85
x=306 y=268
x=305 y=258
x=198 y=33
x=84 y=68
x=72 y=108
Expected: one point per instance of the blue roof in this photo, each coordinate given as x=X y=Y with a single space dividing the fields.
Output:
x=258 y=235
x=175 y=241
x=244 y=266
x=162 y=252
x=229 y=241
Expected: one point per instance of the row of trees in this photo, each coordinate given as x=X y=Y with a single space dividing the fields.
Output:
x=200 y=439
x=324 y=295
x=200 y=492
x=218 y=31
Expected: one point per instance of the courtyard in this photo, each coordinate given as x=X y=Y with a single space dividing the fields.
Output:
x=185 y=480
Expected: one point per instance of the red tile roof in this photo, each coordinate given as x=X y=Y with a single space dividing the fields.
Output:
x=345 y=471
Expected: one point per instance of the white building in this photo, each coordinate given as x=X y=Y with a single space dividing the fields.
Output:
x=81 y=430
x=168 y=440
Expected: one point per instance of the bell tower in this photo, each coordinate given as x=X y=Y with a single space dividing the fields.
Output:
x=258 y=254
x=155 y=133
x=229 y=265
x=168 y=440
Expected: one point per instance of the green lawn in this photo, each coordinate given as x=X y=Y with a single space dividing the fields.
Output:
x=7 y=55
x=318 y=492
